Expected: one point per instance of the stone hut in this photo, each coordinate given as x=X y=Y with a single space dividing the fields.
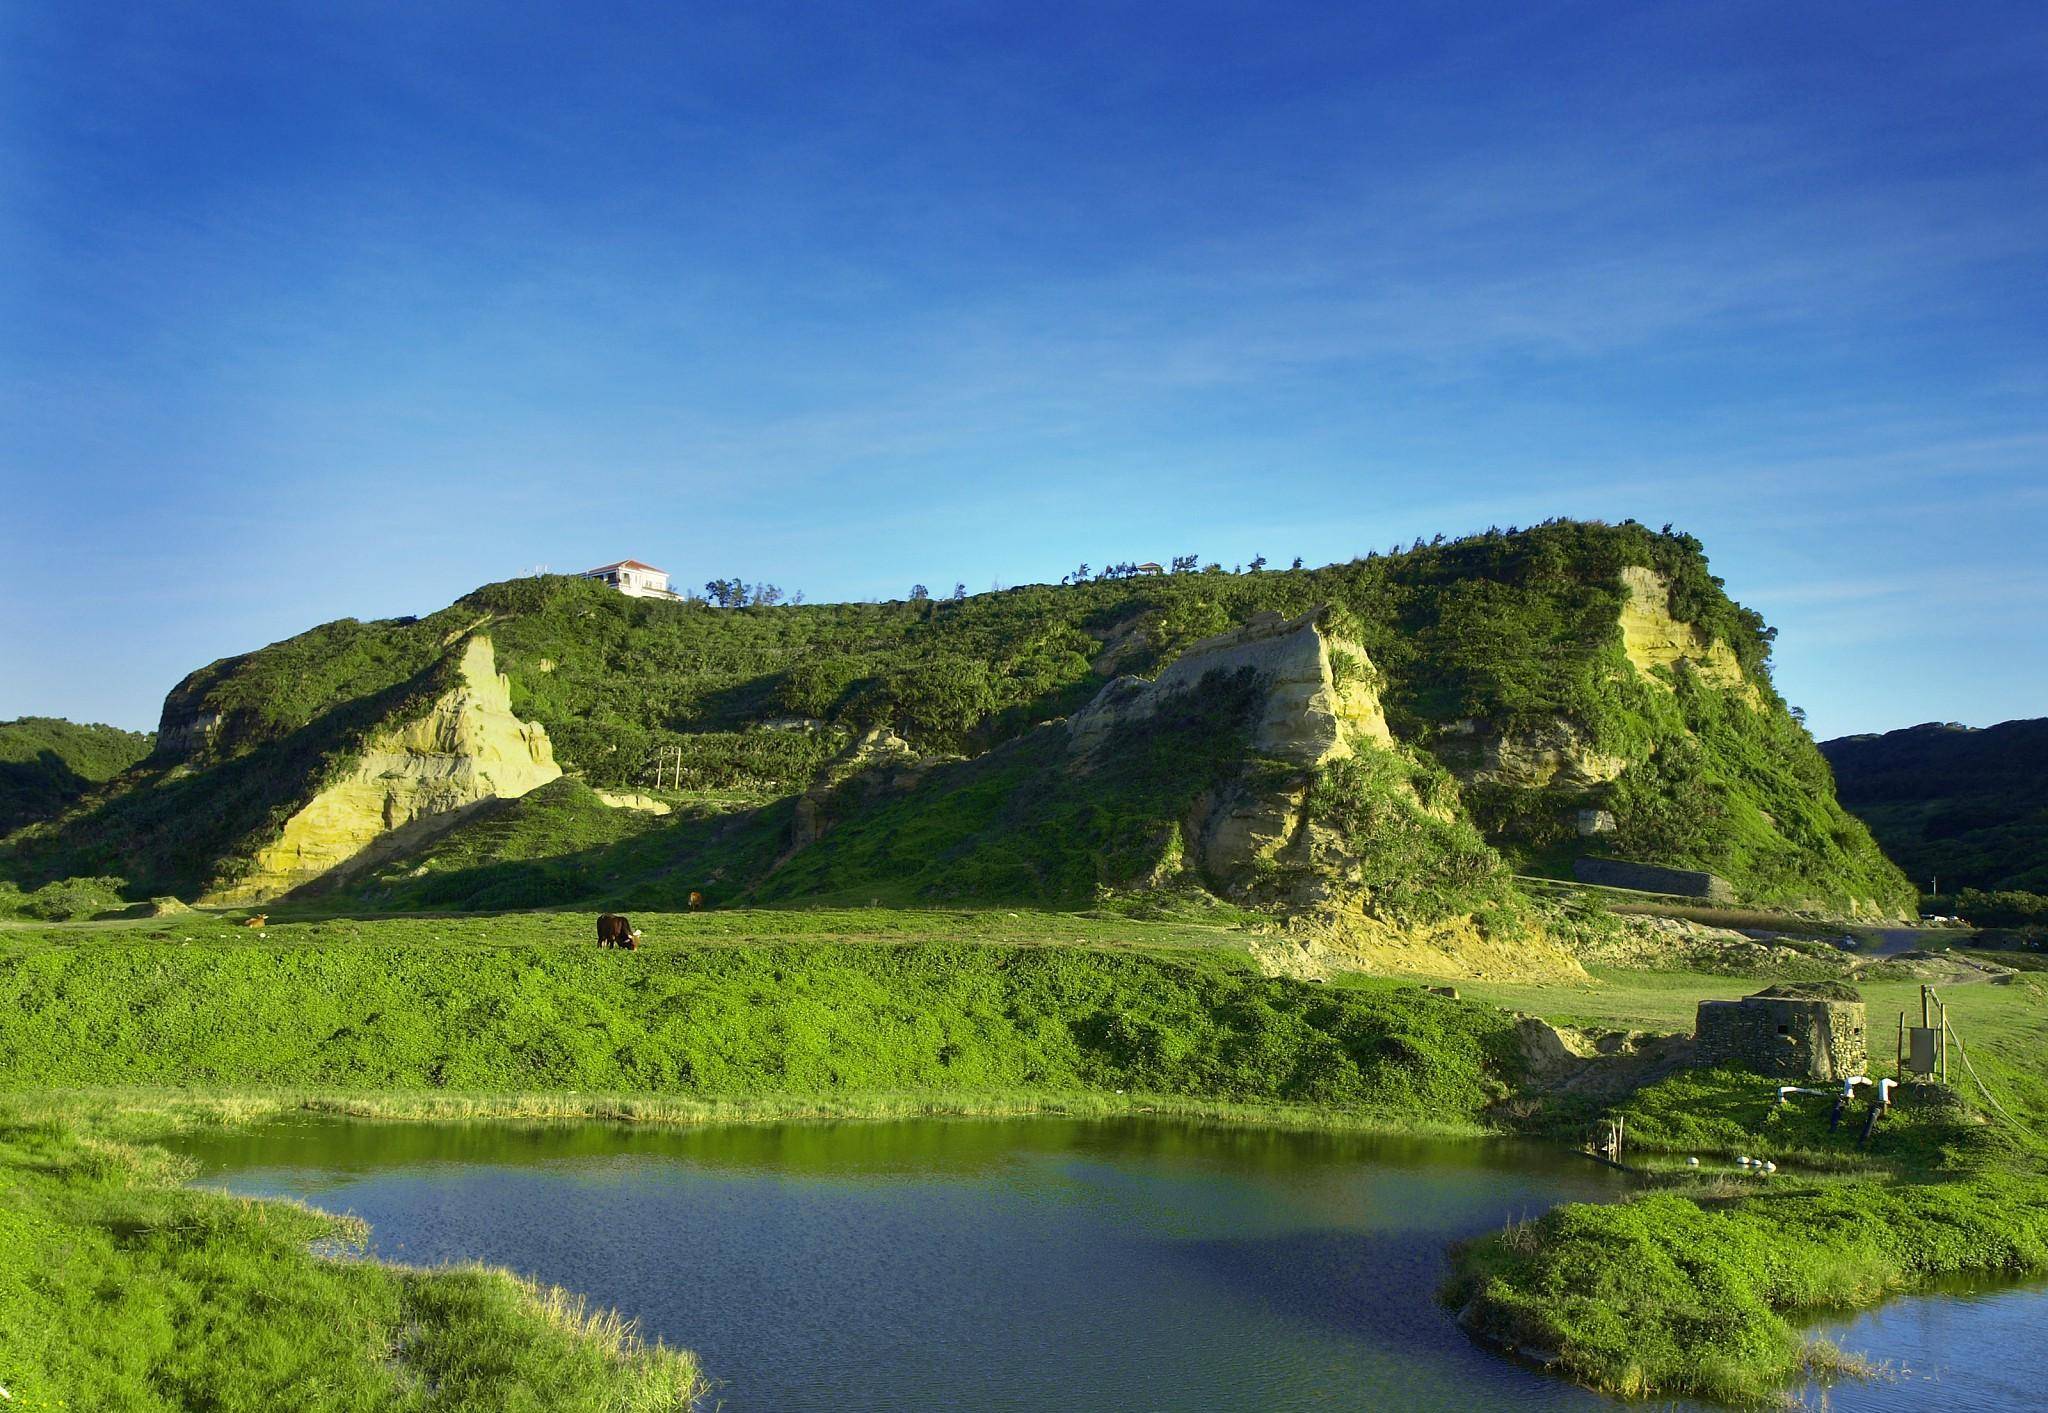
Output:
x=1810 y=1031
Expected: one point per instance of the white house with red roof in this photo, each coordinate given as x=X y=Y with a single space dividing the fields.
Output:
x=634 y=579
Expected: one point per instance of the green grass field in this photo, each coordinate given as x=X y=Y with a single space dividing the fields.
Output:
x=474 y=1006
x=120 y=1032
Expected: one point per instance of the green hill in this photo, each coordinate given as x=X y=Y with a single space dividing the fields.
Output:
x=48 y=764
x=1964 y=804
x=1382 y=741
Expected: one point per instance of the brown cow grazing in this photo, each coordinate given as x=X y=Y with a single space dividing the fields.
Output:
x=257 y=921
x=696 y=900
x=616 y=931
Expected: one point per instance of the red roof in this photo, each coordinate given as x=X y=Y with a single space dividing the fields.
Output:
x=625 y=564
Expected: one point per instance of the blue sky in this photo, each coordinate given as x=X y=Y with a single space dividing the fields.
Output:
x=312 y=311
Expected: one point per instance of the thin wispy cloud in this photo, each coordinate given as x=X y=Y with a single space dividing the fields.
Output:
x=848 y=302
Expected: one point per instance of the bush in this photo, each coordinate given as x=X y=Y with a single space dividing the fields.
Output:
x=2009 y=907
x=66 y=900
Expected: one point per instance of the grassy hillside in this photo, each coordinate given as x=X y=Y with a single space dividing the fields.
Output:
x=1501 y=635
x=48 y=764
x=1967 y=805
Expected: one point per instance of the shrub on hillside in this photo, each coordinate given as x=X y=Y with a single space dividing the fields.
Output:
x=2006 y=907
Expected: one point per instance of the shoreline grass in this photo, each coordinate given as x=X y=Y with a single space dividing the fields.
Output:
x=126 y=1288
x=1667 y=1294
x=156 y=1110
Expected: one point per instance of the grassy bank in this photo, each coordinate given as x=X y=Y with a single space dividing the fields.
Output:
x=810 y=1021
x=1677 y=1294
x=124 y=1290
x=150 y=1105
x=1701 y=1289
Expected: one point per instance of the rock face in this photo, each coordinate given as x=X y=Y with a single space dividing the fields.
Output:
x=185 y=733
x=1258 y=839
x=468 y=747
x=633 y=800
x=1555 y=752
x=878 y=760
x=1319 y=699
x=1316 y=704
x=1652 y=638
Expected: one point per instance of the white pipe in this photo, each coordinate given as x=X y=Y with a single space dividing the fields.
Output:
x=1849 y=1084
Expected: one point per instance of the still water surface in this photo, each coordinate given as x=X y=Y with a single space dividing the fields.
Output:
x=1034 y=1264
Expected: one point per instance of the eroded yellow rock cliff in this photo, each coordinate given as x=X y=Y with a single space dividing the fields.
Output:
x=1652 y=638
x=1319 y=696
x=468 y=747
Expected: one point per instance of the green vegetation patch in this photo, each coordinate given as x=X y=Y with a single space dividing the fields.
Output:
x=122 y=1289
x=799 y=1018
x=1670 y=1295
x=48 y=764
x=1418 y=861
x=1967 y=806
x=64 y=900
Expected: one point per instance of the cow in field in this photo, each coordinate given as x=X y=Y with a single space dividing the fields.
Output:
x=256 y=921
x=696 y=900
x=616 y=931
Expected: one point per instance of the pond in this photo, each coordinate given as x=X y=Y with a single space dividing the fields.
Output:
x=977 y=1264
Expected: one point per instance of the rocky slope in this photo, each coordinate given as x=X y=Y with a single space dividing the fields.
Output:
x=1372 y=745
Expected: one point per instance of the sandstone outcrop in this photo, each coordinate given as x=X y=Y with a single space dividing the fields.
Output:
x=1547 y=753
x=879 y=758
x=1652 y=638
x=187 y=732
x=466 y=748
x=1316 y=703
x=1318 y=697
x=1258 y=838
x=632 y=800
